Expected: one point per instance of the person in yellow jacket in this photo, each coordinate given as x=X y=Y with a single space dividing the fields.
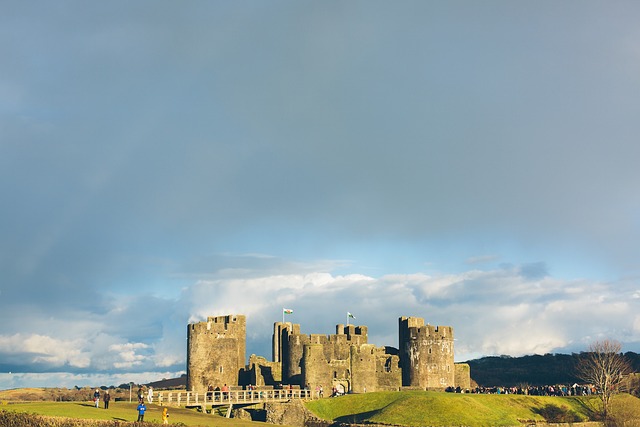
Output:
x=165 y=415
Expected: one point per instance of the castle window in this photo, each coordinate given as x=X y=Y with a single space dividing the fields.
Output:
x=335 y=374
x=387 y=365
x=221 y=369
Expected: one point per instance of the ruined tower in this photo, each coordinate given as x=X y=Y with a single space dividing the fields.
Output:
x=426 y=354
x=216 y=351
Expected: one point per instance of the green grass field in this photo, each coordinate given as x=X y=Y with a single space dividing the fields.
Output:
x=418 y=408
x=125 y=411
x=411 y=408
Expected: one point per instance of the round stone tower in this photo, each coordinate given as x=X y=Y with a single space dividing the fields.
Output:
x=216 y=351
x=426 y=354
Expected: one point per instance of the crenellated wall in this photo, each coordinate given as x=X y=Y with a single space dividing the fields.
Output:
x=334 y=347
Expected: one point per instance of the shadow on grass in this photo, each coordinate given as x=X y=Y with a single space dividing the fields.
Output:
x=592 y=408
x=91 y=405
x=356 y=418
x=557 y=414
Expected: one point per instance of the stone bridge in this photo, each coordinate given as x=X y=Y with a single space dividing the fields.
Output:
x=230 y=399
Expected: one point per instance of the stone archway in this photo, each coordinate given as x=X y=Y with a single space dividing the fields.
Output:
x=341 y=387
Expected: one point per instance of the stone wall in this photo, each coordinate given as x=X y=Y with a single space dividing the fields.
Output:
x=262 y=372
x=374 y=369
x=463 y=376
x=291 y=413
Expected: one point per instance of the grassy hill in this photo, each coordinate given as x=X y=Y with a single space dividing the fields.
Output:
x=418 y=408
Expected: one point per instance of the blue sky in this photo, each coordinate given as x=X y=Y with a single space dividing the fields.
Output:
x=471 y=163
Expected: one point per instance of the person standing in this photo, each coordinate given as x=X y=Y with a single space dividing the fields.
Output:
x=165 y=415
x=96 y=397
x=150 y=394
x=106 y=398
x=225 y=392
x=141 y=410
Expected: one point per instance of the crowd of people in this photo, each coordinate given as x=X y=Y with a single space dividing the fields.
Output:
x=544 y=390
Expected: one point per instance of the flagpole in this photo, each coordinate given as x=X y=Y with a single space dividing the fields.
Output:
x=282 y=314
x=347 y=319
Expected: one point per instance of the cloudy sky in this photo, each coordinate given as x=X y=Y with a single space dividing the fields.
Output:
x=471 y=163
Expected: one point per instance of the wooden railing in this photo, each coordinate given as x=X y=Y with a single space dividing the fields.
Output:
x=190 y=398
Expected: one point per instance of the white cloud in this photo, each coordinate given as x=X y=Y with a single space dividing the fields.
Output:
x=40 y=349
x=493 y=312
x=128 y=355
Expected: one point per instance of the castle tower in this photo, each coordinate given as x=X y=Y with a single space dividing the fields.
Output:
x=282 y=353
x=281 y=332
x=426 y=354
x=216 y=351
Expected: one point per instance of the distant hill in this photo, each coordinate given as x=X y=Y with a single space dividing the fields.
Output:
x=171 y=383
x=545 y=369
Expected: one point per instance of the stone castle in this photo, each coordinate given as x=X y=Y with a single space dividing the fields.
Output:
x=343 y=361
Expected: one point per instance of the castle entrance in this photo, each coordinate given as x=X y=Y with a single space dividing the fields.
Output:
x=340 y=387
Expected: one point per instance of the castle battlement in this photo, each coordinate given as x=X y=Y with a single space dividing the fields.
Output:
x=230 y=324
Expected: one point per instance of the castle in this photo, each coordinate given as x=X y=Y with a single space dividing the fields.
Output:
x=343 y=361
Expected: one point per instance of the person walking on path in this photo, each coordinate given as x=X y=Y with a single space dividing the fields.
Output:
x=96 y=398
x=106 y=398
x=141 y=410
x=165 y=415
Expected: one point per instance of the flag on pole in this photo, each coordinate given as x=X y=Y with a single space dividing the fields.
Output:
x=286 y=311
x=350 y=315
